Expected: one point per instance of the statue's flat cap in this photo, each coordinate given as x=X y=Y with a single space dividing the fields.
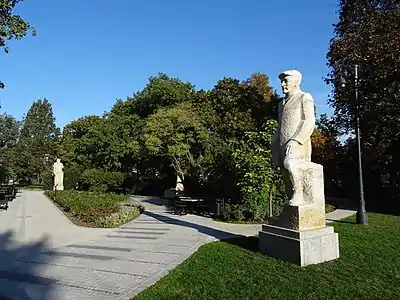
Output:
x=294 y=73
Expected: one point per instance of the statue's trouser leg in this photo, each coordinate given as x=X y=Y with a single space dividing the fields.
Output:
x=288 y=182
x=293 y=168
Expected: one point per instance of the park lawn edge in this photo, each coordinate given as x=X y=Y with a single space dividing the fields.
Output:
x=369 y=268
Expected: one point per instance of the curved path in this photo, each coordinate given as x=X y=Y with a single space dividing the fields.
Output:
x=44 y=256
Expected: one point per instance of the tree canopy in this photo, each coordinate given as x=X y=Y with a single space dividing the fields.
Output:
x=367 y=34
x=38 y=140
x=12 y=27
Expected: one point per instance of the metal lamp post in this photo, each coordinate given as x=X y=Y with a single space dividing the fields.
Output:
x=361 y=217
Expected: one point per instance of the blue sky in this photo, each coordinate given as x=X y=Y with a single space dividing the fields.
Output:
x=88 y=53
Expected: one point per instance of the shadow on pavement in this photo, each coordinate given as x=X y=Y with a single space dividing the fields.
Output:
x=19 y=279
x=212 y=232
x=151 y=200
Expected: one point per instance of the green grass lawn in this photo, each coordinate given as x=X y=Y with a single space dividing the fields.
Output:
x=369 y=268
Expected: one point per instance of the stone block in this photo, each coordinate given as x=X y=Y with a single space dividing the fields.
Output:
x=302 y=217
x=313 y=183
x=303 y=248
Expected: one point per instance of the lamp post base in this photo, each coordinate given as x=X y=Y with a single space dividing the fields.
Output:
x=362 y=217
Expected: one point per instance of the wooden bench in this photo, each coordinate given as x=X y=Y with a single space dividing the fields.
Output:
x=180 y=207
x=3 y=200
x=10 y=191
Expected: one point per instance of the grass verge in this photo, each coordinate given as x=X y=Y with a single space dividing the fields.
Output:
x=95 y=209
x=369 y=268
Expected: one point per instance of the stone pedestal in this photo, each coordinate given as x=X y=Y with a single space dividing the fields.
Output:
x=302 y=248
x=300 y=235
x=302 y=217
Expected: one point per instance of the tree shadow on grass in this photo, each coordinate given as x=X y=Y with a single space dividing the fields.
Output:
x=20 y=279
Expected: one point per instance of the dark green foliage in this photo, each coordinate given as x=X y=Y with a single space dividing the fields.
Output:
x=161 y=91
x=9 y=135
x=3 y=174
x=47 y=180
x=101 y=181
x=256 y=177
x=109 y=143
x=36 y=148
x=9 y=131
x=238 y=166
x=72 y=175
x=368 y=268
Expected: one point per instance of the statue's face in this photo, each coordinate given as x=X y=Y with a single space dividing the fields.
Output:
x=289 y=84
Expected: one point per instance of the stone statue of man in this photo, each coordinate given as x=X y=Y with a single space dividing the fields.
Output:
x=58 y=175
x=291 y=144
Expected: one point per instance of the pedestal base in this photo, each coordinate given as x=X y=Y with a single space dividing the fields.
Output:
x=303 y=248
x=304 y=217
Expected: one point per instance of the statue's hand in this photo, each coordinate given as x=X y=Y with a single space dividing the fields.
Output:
x=290 y=146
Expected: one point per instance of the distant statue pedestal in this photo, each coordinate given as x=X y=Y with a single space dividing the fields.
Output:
x=300 y=235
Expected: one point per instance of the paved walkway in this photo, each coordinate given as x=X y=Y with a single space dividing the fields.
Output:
x=44 y=256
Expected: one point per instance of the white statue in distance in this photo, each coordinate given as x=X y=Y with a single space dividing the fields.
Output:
x=58 y=175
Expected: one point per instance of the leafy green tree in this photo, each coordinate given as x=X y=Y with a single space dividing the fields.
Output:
x=176 y=134
x=367 y=35
x=38 y=140
x=110 y=143
x=70 y=147
x=113 y=143
x=161 y=91
x=12 y=27
x=261 y=189
x=264 y=98
x=9 y=131
x=229 y=111
x=260 y=82
x=232 y=107
x=9 y=134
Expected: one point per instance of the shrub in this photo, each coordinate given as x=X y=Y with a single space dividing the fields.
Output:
x=258 y=180
x=121 y=217
x=47 y=180
x=101 y=181
x=96 y=209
